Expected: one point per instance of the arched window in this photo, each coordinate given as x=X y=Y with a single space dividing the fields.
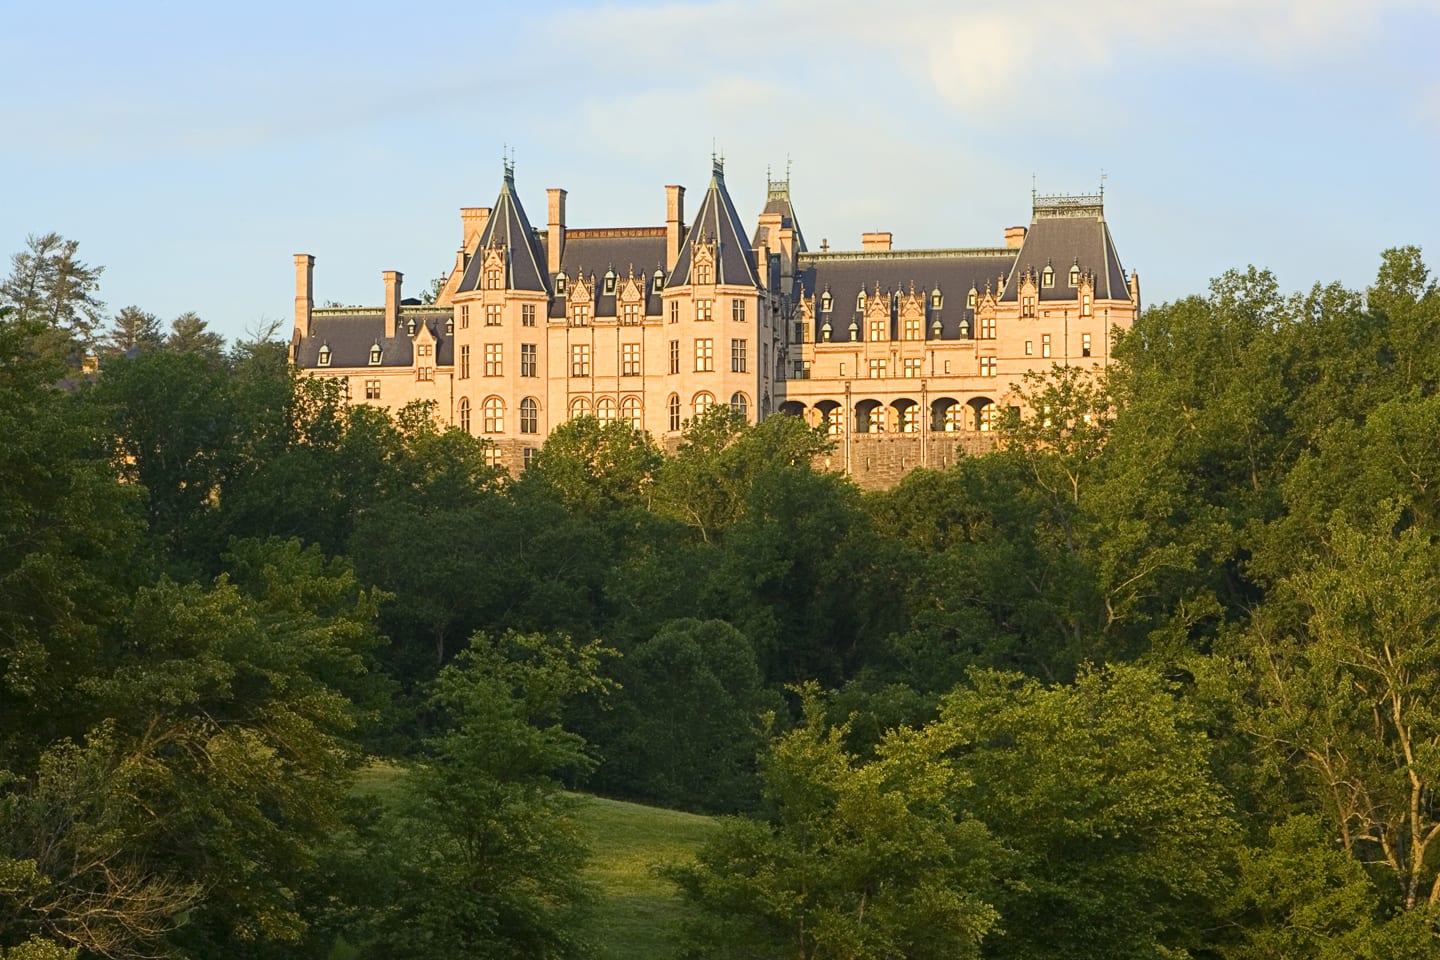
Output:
x=955 y=418
x=465 y=414
x=324 y=358
x=605 y=410
x=703 y=401
x=579 y=407
x=908 y=418
x=740 y=404
x=672 y=409
x=987 y=418
x=492 y=415
x=630 y=411
x=529 y=416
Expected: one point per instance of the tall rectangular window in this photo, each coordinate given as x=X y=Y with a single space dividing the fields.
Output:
x=630 y=315
x=737 y=354
x=1027 y=306
x=879 y=330
x=527 y=315
x=913 y=366
x=630 y=359
x=704 y=355
x=580 y=315
x=492 y=314
x=493 y=365
x=1029 y=348
x=674 y=311
x=737 y=310
x=987 y=366
x=704 y=310
x=527 y=360
x=579 y=359
x=1045 y=345
x=465 y=362
x=877 y=369
x=987 y=328
x=798 y=333
x=1084 y=344
x=465 y=317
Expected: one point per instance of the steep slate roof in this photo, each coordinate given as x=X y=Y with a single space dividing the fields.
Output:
x=1065 y=231
x=509 y=227
x=594 y=251
x=718 y=222
x=777 y=200
x=350 y=332
x=953 y=271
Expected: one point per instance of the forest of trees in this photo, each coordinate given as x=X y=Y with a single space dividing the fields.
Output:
x=1160 y=678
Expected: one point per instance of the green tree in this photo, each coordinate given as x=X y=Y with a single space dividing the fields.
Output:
x=592 y=466
x=859 y=859
x=1342 y=667
x=1103 y=790
x=485 y=856
x=132 y=328
x=683 y=729
x=48 y=284
x=190 y=334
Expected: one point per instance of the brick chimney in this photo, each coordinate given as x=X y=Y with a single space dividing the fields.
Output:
x=555 y=231
x=875 y=241
x=304 y=293
x=674 y=224
x=473 y=219
x=1014 y=237
x=393 y=279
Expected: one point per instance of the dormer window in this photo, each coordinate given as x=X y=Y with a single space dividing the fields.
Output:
x=659 y=280
x=825 y=330
x=825 y=302
x=965 y=329
x=560 y=279
x=1047 y=276
x=703 y=273
x=935 y=328
x=324 y=358
x=936 y=299
x=971 y=298
x=609 y=282
x=450 y=324
x=410 y=326
x=860 y=300
x=1075 y=274
x=854 y=330
x=375 y=355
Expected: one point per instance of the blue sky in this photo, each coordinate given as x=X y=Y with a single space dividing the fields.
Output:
x=191 y=148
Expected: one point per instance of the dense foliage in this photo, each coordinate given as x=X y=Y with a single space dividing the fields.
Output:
x=1158 y=678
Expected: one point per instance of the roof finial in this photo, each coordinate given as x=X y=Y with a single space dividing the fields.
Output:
x=1102 y=183
x=507 y=161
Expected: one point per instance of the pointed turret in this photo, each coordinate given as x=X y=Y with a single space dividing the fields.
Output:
x=509 y=230
x=718 y=226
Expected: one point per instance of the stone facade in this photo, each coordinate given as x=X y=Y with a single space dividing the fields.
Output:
x=903 y=356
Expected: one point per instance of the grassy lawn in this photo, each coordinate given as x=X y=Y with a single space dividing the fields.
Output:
x=637 y=915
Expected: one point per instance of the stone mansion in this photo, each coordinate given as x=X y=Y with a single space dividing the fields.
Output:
x=903 y=356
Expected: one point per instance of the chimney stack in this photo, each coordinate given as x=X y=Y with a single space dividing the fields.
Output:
x=393 y=279
x=875 y=241
x=473 y=219
x=674 y=224
x=555 y=232
x=1014 y=238
x=304 y=292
